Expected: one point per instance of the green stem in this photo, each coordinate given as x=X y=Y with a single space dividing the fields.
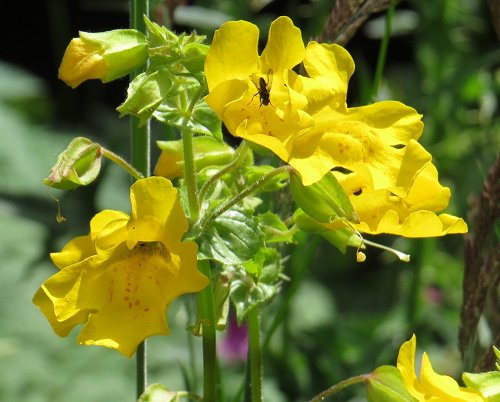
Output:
x=189 y=167
x=255 y=354
x=207 y=319
x=140 y=157
x=122 y=163
x=238 y=158
x=249 y=190
x=382 y=54
x=339 y=387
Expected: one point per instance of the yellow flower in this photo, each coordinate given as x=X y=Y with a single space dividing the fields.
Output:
x=412 y=213
x=119 y=280
x=306 y=121
x=430 y=387
x=104 y=55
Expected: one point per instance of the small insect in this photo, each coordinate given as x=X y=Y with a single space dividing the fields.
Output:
x=263 y=90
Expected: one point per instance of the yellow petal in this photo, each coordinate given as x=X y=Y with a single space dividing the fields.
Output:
x=74 y=251
x=131 y=295
x=406 y=365
x=157 y=214
x=233 y=53
x=392 y=121
x=60 y=327
x=221 y=98
x=330 y=62
x=81 y=61
x=444 y=387
x=284 y=49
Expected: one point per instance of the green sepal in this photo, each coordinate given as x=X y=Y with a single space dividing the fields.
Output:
x=203 y=119
x=78 y=165
x=256 y=282
x=158 y=393
x=487 y=384
x=385 y=384
x=232 y=238
x=341 y=236
x=497 y=354
x=207 y=151
x=123 y=50
x=325 y=200
x=274 y=228
x=145 y=93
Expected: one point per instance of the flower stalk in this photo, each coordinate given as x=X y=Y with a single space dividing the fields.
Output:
x=140 y=137
x=255 y=354
x=207 y=319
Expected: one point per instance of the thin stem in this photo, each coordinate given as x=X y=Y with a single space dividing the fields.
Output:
x=238 y=159
x=189 y=166
x=339 y=387
x=382 y=54
x=249 y=190
x=207 y=319
x=122 y=163
x=140 y=157
x=255 y=354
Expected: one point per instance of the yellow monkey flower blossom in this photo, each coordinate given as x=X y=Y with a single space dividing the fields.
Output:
x=303 y=120
x=430 y=386
x=119 y=280
x=411 y=214
x=103 y=55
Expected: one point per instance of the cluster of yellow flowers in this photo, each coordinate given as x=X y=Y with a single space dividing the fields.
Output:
x=304 y=119
x=119 y=280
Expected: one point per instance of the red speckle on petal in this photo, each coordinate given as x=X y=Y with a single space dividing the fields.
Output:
x=146 y=309
x=137 y=302
x=130 y=305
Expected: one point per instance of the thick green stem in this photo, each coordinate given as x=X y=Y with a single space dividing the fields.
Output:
x=207 y=319
x=140 y=157
x=339 y=387
x=255 y=354
x=246 y=192
x=382 y=54
x=189 y=167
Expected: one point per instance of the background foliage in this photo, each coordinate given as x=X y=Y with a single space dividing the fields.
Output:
x=339 y=318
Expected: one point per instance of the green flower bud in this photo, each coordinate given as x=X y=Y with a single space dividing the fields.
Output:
x=103 y=55
x=78 y=165
x=325 y=200
x=207 y=152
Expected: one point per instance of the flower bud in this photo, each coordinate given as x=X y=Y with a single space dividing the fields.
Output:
x=325 y=200
x=207 y=152
x=78 y=165
x=103 y=55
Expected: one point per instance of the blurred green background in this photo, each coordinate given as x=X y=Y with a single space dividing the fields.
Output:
x=341 y=318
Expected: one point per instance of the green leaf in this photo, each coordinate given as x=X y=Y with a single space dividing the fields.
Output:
x=256 y=282
x=385 y=385
x=232 y=238
x=274 y=228
x=488 y=384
